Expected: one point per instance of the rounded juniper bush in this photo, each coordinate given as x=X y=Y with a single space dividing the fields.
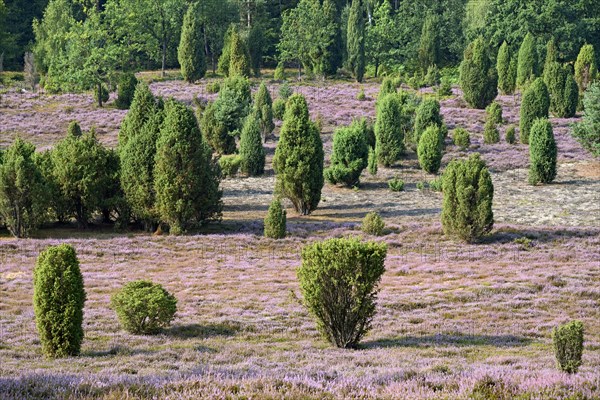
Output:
x=58 y=299
x=535 y=104
x=542 y=153
x=478 y=76
x=427 y=114
x=510 y=135
x=373 y=224
x=568 y=346
x=494 y=112
x=349 y=155
x=275 y=221
x=429 y=150
x=490 y=132
x=461 y=138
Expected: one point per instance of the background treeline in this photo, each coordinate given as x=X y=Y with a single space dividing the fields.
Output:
x=79 y=42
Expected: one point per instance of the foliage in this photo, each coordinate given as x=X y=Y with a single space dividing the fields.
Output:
x=478 y=76
x=252 y=153
x=428 y=113
x=461 y=138
x=390 y=129
x=490 y=132
x=275 y=221
x=22 y=189
x=285 y=91
x=436 y=184
x=190 y=52
x=339 y=279
x=373 y=224
x=527 y=66
x=361 y=96
x=372 y=162
x=568 y=345
x=213 y=87
x=432 y=77
x=349 y=155
x=298 y=160
x=58 y=299
x=101 y=94
x=586 y=67
x=506 y=70
x=429 y=43
x=468 y=195
x=535 y=104
x=494 y=113
x=542 y=153
x=355 y=42
x=126 y=90
x=510 y=135
x=143 y=106
x=587 y=131
x=562 y=89
x=387 y=87
x=396 y=184
x=279 y=74
x=215 y=133
x=429 y=149
x=239 y=56
x=279 y=108
x=144 y=307
x=263 y=105
x=185 y=178
x=445 y=88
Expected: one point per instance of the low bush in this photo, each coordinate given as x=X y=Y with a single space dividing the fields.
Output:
x=339 y=279
x=144 y=307
x=461 y=138
x=285 y=91
x=396 y=184
x=494 y=112
x=373 y=224
x=275 y=221
x=372 y=162
x=435 y=185
x=510 y=135
x=213 y=87
x=568 y=346
x=429 y=150
x=490 y=132
x=230 y=164
x=361 y=96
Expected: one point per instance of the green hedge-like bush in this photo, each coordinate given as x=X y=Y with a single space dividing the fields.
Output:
x=349 y=156
x=339 y=279
x=144 y=307
x=275 y=221
x=542 y=153
x=461 y=138
x=494 y=112
x=428 y=113
x=58 y=299
x=568 y=346
x=535 y=104
x=587 y=131
x=373 y=224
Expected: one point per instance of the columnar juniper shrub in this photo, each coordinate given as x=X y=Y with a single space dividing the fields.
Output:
x=396 y=184
x=339 y=279
x=143 y=307
x=562 y=89
x=428 y=113
x=568 y=346
x=445 y=88
x=279 y=108
x=587 y=131
x=285 y=91
x=58 y=299
x=190 y=52
x=468 y=195
x=527 y=66
x=542 y=153
x=143 y=106
x=126 y=90
x=239 y=56
x=429 y=150
x=275 y=221
x=252 y=152
x=355 y=39
x=298 y=160
x=372 y=224
x=506 y=70
x=263 y=105
x=461 y=138
x=279 y=74
x=372 y=162
x=349 y=155
x=490 y=132
x=510 y=135
x=388 y=129
x=494 y=113
x=478 y=76
x=233 y=103
x=387 y=87
x=429 y=43
x=535 y=104
x=586 y=69
x=74 y=129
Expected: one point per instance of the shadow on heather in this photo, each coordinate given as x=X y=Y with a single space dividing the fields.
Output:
x=448 y=340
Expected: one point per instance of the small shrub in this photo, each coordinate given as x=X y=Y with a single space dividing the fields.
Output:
x=144 y=307
x=416 y=81
x=74 y=129
x=396 y=184
x=101 y=94
x=535 y=104
x=387 y=87
x=349 y=155
x=213 y=87
x=490 y=133
x=445 y=88
x=339 y=279
x=372 y=162
x=429 y=149
x=58 y=299
x=435 y=185
x=373 y=224
x=461 y=138
x=285 y=91
x=279 y=74
x=420 y=185
x=489 y=388
x=494 y=112
x=542 y=153
x=587 y=131
x=279 y=109
x=275 y=221
x=252 y=152
x=126 y=89
x=428 y=113
x=568 y=346
x=432 y=78
x=511 y=137
x=230 y=164
x=361 y=96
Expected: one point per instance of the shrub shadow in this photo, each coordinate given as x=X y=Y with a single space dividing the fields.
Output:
x=115 y=351
x=508 y=234
x=201 y=331
x=449 y=340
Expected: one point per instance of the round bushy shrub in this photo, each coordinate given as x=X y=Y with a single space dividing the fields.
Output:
x=568 y=346
x=389 y=129
x=542 y=153
x=279 y=109
x=490 y=133
x=144 y=307
x=587 y=131
x=429 y=149
x=478 y=77
x=396 y=184
x=535 y=104
x=373 y=224
x=428 y=113
x=349 y=155
x=339 y=279
x=468 y=195
x=510 y=135
x=252 y=152
x=275 y=221
x=213 y=87
x=494 y=113
x=126 y=90
x=229 y=165
x=361 y=96
x=461 y=138
x=528 y=62
x=506 y=70
x=58 y=299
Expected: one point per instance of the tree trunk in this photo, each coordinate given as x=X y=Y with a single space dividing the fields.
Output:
x=376 y=67
x=164 y=58
x=99 y=94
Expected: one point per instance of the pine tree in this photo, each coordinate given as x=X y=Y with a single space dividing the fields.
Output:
x=355 y=41
x=535 y=104
x=298 y=160
x=190 y=52
x=186 y=180
x=429 y=46
x=528 y=63
x=252 y=153
x=504 y=65
x=22 y=190
x=586 y=69
x=389 y=131
x=478 y=77
x=542 y=153
x=263 y=105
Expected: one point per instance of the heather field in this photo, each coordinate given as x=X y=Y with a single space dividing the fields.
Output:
x=454 y=321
